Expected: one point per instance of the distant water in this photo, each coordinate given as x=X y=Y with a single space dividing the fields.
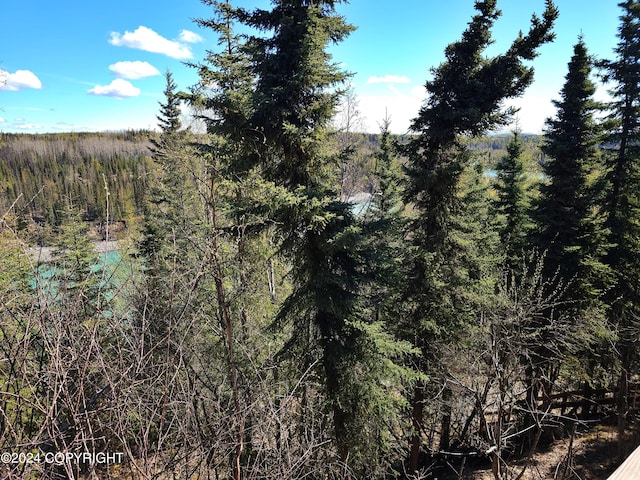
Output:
x=110 y=258
x=360 y=202
x=108 y=268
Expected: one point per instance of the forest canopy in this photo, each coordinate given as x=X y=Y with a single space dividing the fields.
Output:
x=293 y=298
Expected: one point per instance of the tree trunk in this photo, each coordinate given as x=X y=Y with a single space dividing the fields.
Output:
x=416 y=438
x=622 y=402
x=227 y=327
x=445 y=432
x=340 y=416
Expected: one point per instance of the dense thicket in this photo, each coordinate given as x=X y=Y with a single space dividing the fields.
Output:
x=299 y=300
x=622 y=207
x=446 y=267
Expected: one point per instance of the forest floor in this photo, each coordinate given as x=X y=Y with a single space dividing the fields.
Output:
x=593 y=455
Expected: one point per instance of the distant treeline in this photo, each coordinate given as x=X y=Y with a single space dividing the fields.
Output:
x=43 y=175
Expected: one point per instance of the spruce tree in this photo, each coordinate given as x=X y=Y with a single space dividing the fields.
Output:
x=223 y=99
x=465 y=99
x=570 y=234
x=295 y=98
x=385 y=220
x=296 y=95
x=570 y=229
x=225 y=89
x=168 y=247
x=76 y=262
x=512 y=206
x=466 y=96
x=169 y=123
x=169 y=118
x=172 y=211
x=388 y=196
x=622 y=205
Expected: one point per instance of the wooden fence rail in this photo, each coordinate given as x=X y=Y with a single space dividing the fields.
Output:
x=588 y=401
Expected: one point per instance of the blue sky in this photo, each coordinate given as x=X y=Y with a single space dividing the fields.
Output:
x=76 y=65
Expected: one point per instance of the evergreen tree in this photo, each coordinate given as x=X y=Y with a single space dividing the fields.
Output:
x=512 y=204
x=169 y=118
x=570 y=227
x=165 y=204
x=172 y=250
x=295 y=98
x=76 y=263
x=230 y=103
x=239 y=200
x=388 y=196
x=169 y=195
x=385 y=219
x=465 y=99
x=174 y=210
x=226 y=82
x=570 y=234
x=622 y=204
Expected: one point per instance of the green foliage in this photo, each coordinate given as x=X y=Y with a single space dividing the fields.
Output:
x=467 y=89
x=465 y=99
x=512 y=204
x=387 y=200
x=332 y=263
x=274 y=330
x=15 y=267
x=169 y=118
x=76 y=275
x=622 y=206
x=43 y=173
x=623 y=174
x=295 y=96
x=74 y=246
x=570 y=223
x=174 y=219
x=373 y=390
x=226 y=80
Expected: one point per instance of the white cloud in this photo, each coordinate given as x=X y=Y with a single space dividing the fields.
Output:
x=67 y=127
x=28 y=126
x=189 y=37
x=133 y=70
x=400 y=104
x=389 y=79
x=2 y=120
x=143 y=38
x=533 y=110
x=401 y=109
x=13 y=82
x=119 y=89
x=22 y=124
